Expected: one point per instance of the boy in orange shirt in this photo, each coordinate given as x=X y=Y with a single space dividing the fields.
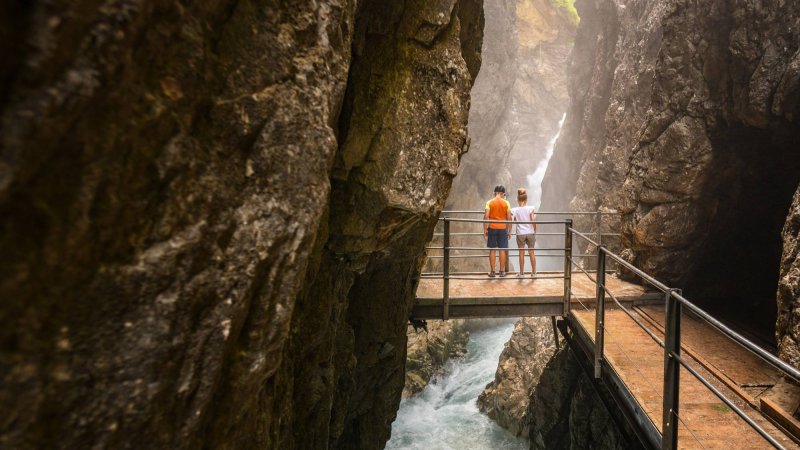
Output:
x=497 y=234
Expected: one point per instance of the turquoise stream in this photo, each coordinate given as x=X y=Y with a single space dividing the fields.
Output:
x=445 y=415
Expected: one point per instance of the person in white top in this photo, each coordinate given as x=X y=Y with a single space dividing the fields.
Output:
x=526 y=233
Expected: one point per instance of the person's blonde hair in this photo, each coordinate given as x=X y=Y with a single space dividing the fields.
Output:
x=522 y=195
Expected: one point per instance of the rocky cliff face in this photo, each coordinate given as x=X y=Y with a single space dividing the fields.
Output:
x=566 y=413
x=212 y=214
x=520 y=367
x=787 y=330
x=683 y=118
x=429 y=350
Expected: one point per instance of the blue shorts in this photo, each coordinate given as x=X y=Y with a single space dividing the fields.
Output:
x=497 y=238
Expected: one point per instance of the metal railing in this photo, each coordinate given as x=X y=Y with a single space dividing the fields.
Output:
x=675 y=303
x=671 y=344
x=446 y=247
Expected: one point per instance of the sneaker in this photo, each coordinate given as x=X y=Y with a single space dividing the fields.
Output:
x=502 y=274
x=491 y=274
x=520 y=275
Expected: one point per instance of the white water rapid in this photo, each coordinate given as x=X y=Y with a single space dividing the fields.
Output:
x=535 y=179
x=445 y=415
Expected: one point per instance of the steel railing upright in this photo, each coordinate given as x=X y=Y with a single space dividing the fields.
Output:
x=671 y=344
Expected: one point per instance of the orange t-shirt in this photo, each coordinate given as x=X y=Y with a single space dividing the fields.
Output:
x=498 y=209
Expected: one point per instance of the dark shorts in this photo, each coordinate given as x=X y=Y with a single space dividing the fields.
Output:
x=497 y=238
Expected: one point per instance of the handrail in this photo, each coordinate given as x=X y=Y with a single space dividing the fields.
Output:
x=671 y=345
x=507 y=222
x=739 y=339
x=578 y=213
x=675 y=302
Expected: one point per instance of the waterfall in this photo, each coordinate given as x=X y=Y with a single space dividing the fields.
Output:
x=445 y=415
x=535 y=179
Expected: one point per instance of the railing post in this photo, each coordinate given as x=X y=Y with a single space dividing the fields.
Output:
x=446 y=271
x=672 y=344
x=600 y=314
x=567 y=267
x=598 y=221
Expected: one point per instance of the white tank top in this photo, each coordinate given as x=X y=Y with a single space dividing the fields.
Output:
x=523 y=214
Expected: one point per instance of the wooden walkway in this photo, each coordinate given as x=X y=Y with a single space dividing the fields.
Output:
x=705 y=421
x=481 y=296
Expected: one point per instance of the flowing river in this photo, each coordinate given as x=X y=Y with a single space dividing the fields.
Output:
x=445 y=415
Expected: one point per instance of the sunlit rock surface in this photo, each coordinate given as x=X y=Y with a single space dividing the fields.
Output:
x=787 y=330
x=212 y=213
x=683 y=119
x=428 y=351
x=520 y=367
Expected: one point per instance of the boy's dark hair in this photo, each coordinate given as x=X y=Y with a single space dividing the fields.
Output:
x=500 y=188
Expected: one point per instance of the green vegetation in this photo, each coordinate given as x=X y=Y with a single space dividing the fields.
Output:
x=567 y=7
x=721 y=408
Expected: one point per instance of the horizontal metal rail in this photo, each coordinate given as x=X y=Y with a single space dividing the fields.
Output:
x=580 y=213
x=635 y=319
x=508 y=222
x=511 y=253
x=514 y=234
x=739 y=339
x=438 y=276
x=725 y=400
x=489 y=248
x=584 y=237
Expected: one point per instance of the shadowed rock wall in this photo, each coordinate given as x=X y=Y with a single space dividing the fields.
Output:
x=211 y=215
x=565 y=412
x=683 y=118
x=787 y=330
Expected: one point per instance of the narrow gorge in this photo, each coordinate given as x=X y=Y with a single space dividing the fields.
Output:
x=214 y=216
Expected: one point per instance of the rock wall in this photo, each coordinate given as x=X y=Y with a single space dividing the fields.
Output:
x=520 y=367
x=429 y=350
x=787 y=330
x=566 y=413
x=212 y=215
x=683 y=119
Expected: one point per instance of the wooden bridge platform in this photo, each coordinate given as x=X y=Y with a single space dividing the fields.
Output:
x=481 y=296
x=705 y=422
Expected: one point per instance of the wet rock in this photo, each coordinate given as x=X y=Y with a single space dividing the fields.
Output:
x=520 y=367
x=429 y=351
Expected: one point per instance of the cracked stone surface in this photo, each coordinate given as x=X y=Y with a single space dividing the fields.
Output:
x=197 y=203
x=683 y=120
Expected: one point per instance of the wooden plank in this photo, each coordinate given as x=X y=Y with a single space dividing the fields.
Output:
x=734 y=362
x=705 y=422
x=781 y=418
x=484 y=287
x=685 y=347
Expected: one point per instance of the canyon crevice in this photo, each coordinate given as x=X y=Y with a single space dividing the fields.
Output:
x=518 y=100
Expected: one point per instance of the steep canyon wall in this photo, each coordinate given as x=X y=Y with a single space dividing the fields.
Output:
x=518 y=99
x=212 y=214
x=683 y=119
